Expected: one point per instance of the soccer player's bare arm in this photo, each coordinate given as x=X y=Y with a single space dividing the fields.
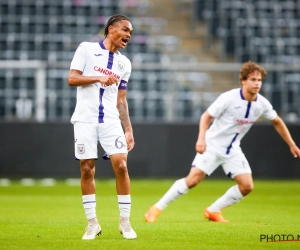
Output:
x=203 y=126
x=76 y=78
x=285 y=135
x=122 y=107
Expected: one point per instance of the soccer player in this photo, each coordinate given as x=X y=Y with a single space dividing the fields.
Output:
x=234 y=112
x=100 y=73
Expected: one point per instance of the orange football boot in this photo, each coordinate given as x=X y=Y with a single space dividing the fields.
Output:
x=214 y=216
x=152 y=214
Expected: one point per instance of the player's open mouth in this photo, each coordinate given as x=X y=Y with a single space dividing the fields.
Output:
x=125 y=41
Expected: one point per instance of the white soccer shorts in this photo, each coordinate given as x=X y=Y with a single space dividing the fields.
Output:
x=87 y=135
x=234 y=165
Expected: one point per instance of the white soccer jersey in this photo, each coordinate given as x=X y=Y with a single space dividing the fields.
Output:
x=96 y=102
x=234 y=116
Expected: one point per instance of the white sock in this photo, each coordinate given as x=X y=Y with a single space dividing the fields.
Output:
x=124 y=205
x=89 y=205
x=177 y=189
x=233 y=195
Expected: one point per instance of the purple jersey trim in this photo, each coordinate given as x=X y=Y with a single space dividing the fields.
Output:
x=248 y=110
x=241 y=93
x=103 y=47
x=249 y=104
x=242 y=96
x=230 y=146
x=123 y=85
x=110 y=60
x=101 y=107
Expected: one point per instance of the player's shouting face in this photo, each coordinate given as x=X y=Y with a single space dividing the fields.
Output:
x=121 y=33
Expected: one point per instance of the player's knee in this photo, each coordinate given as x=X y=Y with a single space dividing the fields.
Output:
x=87 y=170
x=121 y=169
x=194 y=177
x=247 y=188
x=192 y=181
x=192 y=184
x=251 y=187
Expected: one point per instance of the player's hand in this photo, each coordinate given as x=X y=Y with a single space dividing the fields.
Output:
x=295 y=151
x=200 y=146
x=129 y=140
x=108 y=80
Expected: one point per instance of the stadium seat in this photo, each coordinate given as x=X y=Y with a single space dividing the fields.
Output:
x=51 y=31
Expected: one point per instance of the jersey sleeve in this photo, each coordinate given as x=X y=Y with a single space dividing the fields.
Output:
x=269 y=113
x=125 y=78
x=218 y=106
x=79 y=59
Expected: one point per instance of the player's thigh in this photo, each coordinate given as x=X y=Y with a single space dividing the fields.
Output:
x=208 y=162
x=112 y=138
x=236 y=165
x=86 y=140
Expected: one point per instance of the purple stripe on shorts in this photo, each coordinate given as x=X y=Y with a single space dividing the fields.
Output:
x=101 y=107
x=123 y=85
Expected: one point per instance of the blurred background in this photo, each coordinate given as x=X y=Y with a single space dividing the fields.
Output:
x=184 y=53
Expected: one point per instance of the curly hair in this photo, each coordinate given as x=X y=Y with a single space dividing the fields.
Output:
x=112 y=20
x=248 y=68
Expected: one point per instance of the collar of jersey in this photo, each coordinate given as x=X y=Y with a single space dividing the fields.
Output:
x=242 y=96
x=103 y=47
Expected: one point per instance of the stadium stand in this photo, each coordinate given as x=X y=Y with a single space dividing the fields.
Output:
x=264 y=31
x=260 y=30
x=50 y=31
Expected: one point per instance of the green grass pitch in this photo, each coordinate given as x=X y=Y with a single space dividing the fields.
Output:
x=52 y=217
